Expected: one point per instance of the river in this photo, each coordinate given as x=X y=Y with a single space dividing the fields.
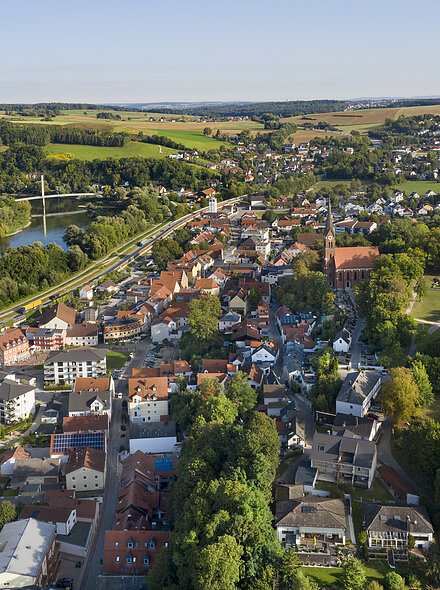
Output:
x=60 y=214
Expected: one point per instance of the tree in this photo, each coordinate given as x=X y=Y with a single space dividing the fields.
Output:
x=207 y=131
x=203 y=316
x=353 y=575
x=393 y=581
x=420 y=376
x=73 y=235
x=374 y=585
x=241 y=393
x=302 y=582
x=219 y=409
x=288 y=569
x=254 y=298
x=7 y=513
x=400 y=395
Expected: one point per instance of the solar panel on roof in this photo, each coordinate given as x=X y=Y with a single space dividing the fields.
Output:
x=163 y=463
x=62 y=443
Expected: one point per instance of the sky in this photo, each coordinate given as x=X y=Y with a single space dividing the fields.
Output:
x=223 y=50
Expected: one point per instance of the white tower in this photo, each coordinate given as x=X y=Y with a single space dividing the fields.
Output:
x=212 y=205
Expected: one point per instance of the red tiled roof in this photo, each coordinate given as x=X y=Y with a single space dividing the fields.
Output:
x=355 y=257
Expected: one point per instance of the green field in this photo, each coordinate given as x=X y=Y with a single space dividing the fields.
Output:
x=429 y=307
x=116 y=359
x=418 y=186
x=91 y=152
x=191 y=138
x=329 y=576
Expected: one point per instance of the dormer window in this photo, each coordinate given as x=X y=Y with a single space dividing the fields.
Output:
x=128 y=560
x=130 y=544
x=152 y=544
x=146 y=560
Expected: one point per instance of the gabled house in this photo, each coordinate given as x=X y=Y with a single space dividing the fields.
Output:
x=342 y=341
x=310 y=520
x=390 y=526
x=357 y=392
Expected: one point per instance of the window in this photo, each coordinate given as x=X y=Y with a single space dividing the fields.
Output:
x=73 y=478
x=117 y=558
x=320 y=447
x=96 y=485
x=84 y=476
x=152 y=545
x=146 y=560
x=74 y=487
x=128 y=560
x=96 y=477
x=130 y=544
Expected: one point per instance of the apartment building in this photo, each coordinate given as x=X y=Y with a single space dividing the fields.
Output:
x=66 y=365
x=17 y=401
x=148 y=398
x=14 y=347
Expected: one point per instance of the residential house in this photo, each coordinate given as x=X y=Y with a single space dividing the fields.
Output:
x=389 y=526
x=342 y=341
x=85 y=334
x=107 y=287
x=91 y=395
x=364 y=428
x=87 y=423
x=58 y=316
x=29 y=555
x=208 y=286
x=86 y=470
x=147 y=398
x=357 y=392
x=132 y=553
x=17 y=401
x=14 y=347
x=254 y=373
x=213 y=366
x=63 y=518
x=344 y=459
x=228 y=320
x=66 y=365
x=86 y=293
x=311 y=520
x=267 y=352
x=8 y=459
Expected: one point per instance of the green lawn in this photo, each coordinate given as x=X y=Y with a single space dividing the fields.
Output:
x=429 y=307
x=191 y=138
x=91 y=152
x=116 y=359
x=329 y=576
x=418 y=186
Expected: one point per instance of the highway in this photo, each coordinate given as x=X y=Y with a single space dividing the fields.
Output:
x=111 y=261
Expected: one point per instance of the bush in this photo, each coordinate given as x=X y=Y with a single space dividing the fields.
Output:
x=123 y=427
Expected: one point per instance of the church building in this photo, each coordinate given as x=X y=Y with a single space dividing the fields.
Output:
x=346 y=267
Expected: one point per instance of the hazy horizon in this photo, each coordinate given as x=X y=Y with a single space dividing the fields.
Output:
x=142 y=52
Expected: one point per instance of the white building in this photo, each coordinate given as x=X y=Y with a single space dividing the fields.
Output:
x=155 y=437
x=322 y=519
x=357 y=392
x=28 y=551
x=86 y=293
x=212 y=205
x=342 y=341
x=17 y=401
x=66 y=365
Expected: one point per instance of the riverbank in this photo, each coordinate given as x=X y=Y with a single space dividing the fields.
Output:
x=21 y=228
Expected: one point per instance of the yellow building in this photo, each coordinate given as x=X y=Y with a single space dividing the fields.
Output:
x=86 y=470
x=148 y=398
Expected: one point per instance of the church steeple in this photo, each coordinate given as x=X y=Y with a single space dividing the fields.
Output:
x=329 y=237
x=329 y=222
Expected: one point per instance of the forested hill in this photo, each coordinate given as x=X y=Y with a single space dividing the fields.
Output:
x=288 y=108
